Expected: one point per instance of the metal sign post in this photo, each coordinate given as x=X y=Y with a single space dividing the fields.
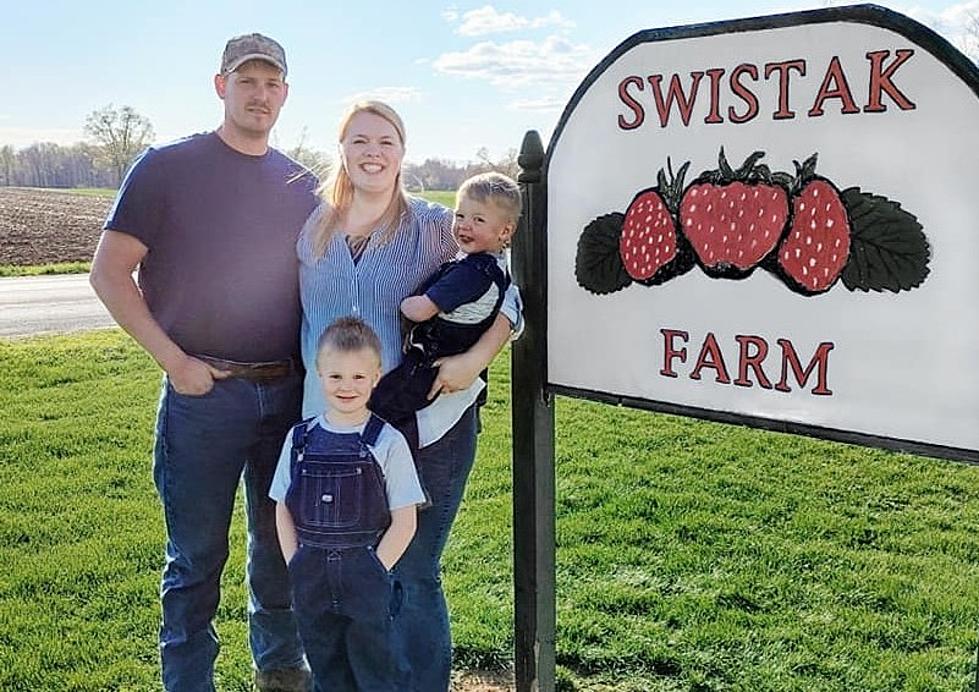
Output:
x=533 y=441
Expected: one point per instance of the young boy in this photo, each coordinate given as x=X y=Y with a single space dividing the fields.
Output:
x=346 y=492
x=459 y=302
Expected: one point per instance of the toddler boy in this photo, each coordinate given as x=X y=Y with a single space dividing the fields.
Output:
x=459 y=302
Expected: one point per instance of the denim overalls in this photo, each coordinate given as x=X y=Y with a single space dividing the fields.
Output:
x=345 y=600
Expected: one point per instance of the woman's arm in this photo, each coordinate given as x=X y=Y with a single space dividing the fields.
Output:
x=395 y=540
x=286 y=529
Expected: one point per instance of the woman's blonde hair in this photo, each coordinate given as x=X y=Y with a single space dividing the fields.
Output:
x=338 y=191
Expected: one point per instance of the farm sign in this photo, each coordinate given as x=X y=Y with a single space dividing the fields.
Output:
x=769 y=221
x=774 y=221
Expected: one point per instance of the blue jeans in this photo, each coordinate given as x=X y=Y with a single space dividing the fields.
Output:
x=423 y=624
x=346 y=603
x=204 y=445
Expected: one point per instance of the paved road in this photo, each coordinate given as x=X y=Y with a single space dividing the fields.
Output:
x=49 y=304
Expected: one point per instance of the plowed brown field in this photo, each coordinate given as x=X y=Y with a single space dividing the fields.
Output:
x=47 y=226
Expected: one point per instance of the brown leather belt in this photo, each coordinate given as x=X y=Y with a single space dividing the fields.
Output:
x=268 y=370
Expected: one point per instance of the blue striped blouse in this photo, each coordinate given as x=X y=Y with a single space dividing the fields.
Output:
x=333 y=286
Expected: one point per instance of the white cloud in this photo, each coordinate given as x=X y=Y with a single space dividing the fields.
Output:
x=389 y=94
x=544 y=104
x=520 y=63
x=957 y=23
x=25 y=136
x=450 y=13
x=488 y=20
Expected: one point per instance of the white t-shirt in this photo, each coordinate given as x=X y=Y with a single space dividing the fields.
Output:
x=390 y=450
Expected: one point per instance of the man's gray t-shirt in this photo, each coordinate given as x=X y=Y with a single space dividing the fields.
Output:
x=220 y=274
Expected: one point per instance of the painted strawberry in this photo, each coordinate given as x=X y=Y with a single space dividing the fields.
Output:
x=597 y=265
x=651 y=248
x=735 y=218
x=817 y=246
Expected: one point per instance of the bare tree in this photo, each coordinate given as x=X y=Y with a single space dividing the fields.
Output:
x=970 y=38
x=40 y=163
x=315 y=160
x=7 y=161
x=119 y=135
x=443 y=174
x=433 y=174
x=507 y=164
x=46 y=164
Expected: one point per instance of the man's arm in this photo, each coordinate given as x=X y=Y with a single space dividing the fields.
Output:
x=116 y=257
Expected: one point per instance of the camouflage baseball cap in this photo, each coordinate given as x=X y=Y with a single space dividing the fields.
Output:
x=241 y=49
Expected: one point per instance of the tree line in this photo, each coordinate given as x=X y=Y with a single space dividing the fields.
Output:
x=46 y=164
x=442 y=174
x=116 y=136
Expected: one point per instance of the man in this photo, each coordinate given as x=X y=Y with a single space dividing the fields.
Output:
x=211 y=221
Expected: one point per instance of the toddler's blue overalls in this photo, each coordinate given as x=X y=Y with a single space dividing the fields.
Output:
x=404 y=390
x=345 y=600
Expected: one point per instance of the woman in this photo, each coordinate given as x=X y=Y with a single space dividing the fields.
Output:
x=366 y=248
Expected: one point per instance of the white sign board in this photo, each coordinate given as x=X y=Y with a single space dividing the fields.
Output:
x=776 y=221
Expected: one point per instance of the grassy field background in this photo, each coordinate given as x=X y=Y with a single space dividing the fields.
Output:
x=106 y=192
x=691 y=555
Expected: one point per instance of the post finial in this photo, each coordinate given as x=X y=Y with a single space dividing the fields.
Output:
x=531 y=158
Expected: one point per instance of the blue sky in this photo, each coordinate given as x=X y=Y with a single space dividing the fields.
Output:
x=463 y=75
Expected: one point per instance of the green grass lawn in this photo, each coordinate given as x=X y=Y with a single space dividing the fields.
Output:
x=88 y=191
x=85 y=191
x=446 y=197
x=691 y=555
x=45 y=269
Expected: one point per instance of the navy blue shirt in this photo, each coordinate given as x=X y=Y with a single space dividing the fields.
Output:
x=462 y=281
x=220 y=274
x=468 y=293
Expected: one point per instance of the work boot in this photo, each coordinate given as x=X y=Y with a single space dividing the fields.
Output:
x=283 y=680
